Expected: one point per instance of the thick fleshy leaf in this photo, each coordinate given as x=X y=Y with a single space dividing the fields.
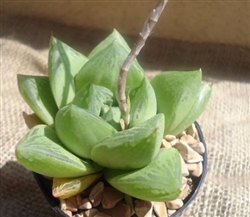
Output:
x=79 y=130
x=36 y=92
x=64 y=64
x=133 y=148
x=103 y=69
x=93 y=97
x=143 y=103
x=41 y=151
x=160 y=180
x=113 y=117
x=115 y=35
x=68 y=187
x=181 y=96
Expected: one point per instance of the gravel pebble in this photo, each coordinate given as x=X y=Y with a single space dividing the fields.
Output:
x=67 y=212
x=188 y=154
x=86 y=204
x=96 y=194
x=192 y=130
x=160 y=209
x=171 y=212
x=129 y=201
x=170 y=138
x=101 y=214
x=111 y=197
x=184 y=167
x=175 y=204
x=71 y=204
x=90 y=212
x=121 y=210
x=191 y=141
x=143 y=208
x=165 y=144
x=198 y=171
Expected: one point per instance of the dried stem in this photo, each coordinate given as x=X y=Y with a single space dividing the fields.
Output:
x=146 y=30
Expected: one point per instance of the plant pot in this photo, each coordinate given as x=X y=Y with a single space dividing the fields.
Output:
x=46 y=185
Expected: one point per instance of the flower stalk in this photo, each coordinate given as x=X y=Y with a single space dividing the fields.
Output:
x=143 y=35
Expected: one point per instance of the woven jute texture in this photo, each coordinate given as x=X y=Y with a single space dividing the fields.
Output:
x=225 y=122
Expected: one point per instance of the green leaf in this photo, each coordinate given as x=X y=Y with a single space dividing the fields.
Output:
x=93 y=97
x=36 y=92
x=103 y=69
x=143 y=103
x=133 y=148
x=182 y=97
x=113 y=117
x=79 y=130
x=41 y=151
x=64 y=64
x=160 y=180
x=114 y=36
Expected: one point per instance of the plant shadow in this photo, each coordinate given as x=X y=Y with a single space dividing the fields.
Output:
x=20 y=194
x=217 y=61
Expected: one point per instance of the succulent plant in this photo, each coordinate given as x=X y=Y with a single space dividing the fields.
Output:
x=77 y=134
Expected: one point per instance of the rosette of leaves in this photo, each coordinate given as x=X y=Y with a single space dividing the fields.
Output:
x=76 y=136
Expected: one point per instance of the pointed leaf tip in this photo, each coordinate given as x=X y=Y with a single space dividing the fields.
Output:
x=64 y=64
x=181 y=96
x=41 y=151
x=36 y=92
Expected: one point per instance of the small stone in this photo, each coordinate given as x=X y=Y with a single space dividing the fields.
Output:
x=169 y=138
x=185 y=190
x=196 y=159
x=192 y=130
x=86 y=193
x=143 y=208
x=96 y=193
x=90 y=212
x=198 y=171
x=171 y=212
x=200 y=148
x=165 y=144
x=85 y=204
x=111 y=197
x=160 y=209
x=191 y=141
x=78 y=199
x=129 y=201
x=68 y=212
x=183 y=167
x=120 y=210
x=63 y=204
x=174 y=142
x=187 y=153
x=71 y=204
x=101 y=214
x=175 y=204
x=197 y=137
x=184 y=181
x=181 y=134
x=191 y=167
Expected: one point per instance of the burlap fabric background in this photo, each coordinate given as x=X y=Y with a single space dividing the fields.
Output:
x=225 y=123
